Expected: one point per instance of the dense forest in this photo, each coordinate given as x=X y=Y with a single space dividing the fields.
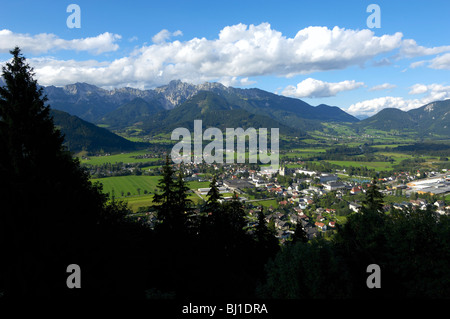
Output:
x=52 y=216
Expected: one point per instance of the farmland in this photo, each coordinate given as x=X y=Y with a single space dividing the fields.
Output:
x=116 y=158
x=134 y=185
x=138 y=190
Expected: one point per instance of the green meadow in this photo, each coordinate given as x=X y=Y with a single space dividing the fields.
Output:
x=384 y=166
x=136 y=185
x=266 y=203
x=116 y=158
x=133 y=184
x=147 y=200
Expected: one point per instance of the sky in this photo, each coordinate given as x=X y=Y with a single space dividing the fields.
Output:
x=360 y=55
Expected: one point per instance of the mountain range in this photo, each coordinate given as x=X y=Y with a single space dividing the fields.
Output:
x=178 y=104
x=432 y=119
x=156 y=110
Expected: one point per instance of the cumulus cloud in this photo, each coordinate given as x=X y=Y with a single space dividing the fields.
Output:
x=373 y=106
x=313 y=88
x=418 y=89
x=430 y=93
x=46 y=42
x=164 y=35
x=241 y=51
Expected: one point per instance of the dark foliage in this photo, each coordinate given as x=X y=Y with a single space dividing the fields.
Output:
x=411 y=248
x=80 y=135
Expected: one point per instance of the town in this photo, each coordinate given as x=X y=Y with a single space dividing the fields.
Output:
x=314 y=199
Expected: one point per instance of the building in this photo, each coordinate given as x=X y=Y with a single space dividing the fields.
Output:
x=332 y=186
x=324 y=178
x=306 y=172
x=237 y=184
x=205 y=191
x=354 y=206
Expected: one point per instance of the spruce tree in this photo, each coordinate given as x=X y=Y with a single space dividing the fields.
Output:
x=373 y=201
x=51 y=215
x=299 y=234
x=172 y=201
x=50 y=208
x=213 y=204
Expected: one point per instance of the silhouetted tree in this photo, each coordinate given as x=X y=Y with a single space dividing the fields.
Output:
x=51 y=215
x=299 y=234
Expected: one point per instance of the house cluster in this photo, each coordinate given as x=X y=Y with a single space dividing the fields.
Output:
x=420 y=204
x=306 y=185
x=284 y=223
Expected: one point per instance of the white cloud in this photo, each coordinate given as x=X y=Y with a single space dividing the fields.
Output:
x=45 y=42
x=441 y=62
x=417 y=64
x=410 y=49
x=418 y=89
x=235 y=81
x=371 y=107
x=384 y=86
x=240 y=51
x=432 y=92
x=313 y=88
x=164 y=35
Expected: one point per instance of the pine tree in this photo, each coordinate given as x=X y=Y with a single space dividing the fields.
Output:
x=264 y=236
x=172 y=200
x=166 y=196
x=50 y=208
x=214 y=195
x=52 y=215
x=234 y=214
x=299 y=234
x=373 y=201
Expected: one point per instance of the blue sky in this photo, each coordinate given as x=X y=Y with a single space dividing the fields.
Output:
x=318 y=51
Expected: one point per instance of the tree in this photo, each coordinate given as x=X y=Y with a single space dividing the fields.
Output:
x=299 y=234
x=373 y=201
x=214 y=195
x=165 y=195
x=172 y=200
x=59 y=222
x=182 y=203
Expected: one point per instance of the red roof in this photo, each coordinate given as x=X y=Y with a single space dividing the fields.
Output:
x=319 y=224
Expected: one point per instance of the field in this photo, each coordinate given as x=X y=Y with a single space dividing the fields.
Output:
x=123 y=157
x=135 y=185
x=266 y=203
x=147 y=200
x=384 y=166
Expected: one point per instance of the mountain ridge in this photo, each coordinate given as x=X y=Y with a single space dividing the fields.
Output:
x=92 y=103
x=80 y=135
x=428 y=120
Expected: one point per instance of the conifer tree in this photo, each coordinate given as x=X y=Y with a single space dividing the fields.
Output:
x=50 y=208
x=212 y=204
x=52 y=215
x=373 y=201
x=299 y=234
x=172 y=200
